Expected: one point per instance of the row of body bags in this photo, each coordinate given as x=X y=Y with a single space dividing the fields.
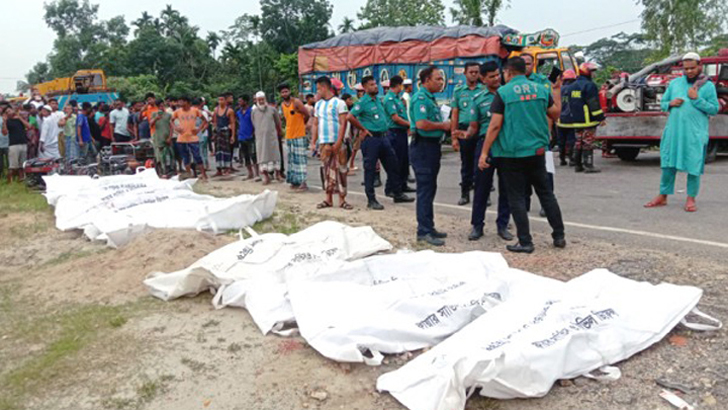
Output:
x=118 y=208
x=507 y=332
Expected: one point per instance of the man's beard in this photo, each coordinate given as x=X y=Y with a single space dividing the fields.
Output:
x=261 y=106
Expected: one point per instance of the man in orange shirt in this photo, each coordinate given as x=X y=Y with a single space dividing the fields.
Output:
x=296 y=116
x=149 y=109
x=188 y=140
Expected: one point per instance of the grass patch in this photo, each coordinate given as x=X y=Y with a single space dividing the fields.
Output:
x=16 y=197
x=64 y=333
x=194 y=365
x=68 y=256
x=482 y=403
x=145 y=393
x=282 y=221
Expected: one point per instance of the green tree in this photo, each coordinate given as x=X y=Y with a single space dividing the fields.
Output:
x=476 y=12
x=213 y=41
x=287 y=24
x=678 y=25
x=134 y=88
x=346 y=26
x=623 y=52
x=377 y=13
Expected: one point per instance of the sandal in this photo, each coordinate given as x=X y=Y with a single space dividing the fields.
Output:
x=656 y=203
x=323 y=205
x=691 y=207
x=346 y=206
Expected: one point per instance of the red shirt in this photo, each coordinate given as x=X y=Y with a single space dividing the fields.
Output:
x=105 y=126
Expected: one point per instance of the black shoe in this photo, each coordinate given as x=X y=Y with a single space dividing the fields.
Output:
x=439 y=235
x=464 y=199
x=431 y=240
x=560 y=243
x=588 y=161
x=518 y=248
x=542 y=213
x=389 y=195
x=374 y=205
x=402 y=198
x=505 y=234
x=408 y=189
x=475 y=234
x=563 y=163
x=411 y=180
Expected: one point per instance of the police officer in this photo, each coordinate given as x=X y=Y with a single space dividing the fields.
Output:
x=398 y=125
x=532 y=75
x=369 y=117
x=490 y=76
x=462 y=115
x=585 y=115
x=519 y=137
x=428 y=129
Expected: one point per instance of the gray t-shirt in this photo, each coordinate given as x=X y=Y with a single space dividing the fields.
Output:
x=4 y=138
x=119 y=119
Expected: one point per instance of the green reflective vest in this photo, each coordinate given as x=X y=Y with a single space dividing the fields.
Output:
x=525 y=125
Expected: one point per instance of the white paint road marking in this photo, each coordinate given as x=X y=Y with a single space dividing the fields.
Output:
x=588 y=226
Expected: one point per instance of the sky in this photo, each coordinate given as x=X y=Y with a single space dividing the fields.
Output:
x=26 y=40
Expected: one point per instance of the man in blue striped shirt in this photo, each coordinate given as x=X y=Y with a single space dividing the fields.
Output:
x=328 y=131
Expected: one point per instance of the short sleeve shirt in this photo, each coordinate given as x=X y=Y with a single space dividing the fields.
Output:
x=482 y=103
x=370 y=112
x=188 y=123
x=120 y=120
x=424 y=107
x=162 y=128
x=463 y=101
x=82 y=125
x=394 y=105
x=327 y=114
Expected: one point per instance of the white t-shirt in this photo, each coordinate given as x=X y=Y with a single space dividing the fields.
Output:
x=327 y=114
x=49 y=135
x=120 y=120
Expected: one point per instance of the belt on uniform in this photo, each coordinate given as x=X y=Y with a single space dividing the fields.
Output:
x=419 y=138
x=377 y=134
x=463 y=127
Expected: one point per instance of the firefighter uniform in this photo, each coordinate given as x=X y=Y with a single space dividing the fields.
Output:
x=425 y=156
x=519 y=154
x=581 y=99
x=463 y=101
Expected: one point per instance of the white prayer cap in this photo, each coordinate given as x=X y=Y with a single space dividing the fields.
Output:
x=691 y=56
x=260 y=94
x=46 y=107
x=407 y=81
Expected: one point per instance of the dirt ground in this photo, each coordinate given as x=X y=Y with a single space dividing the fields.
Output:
x=79 y=331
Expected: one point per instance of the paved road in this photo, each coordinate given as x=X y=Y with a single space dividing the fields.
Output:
x=608 y=206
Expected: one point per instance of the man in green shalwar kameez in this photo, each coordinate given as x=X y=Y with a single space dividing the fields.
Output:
x=690 y=100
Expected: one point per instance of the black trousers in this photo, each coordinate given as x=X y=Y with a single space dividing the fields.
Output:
x=519 y=173
x=483 y=183
x=468 y=148
x=377 y=148
x=398 y=140
x=425 y=155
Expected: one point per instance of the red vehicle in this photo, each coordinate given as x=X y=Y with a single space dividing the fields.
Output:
x=634 y=119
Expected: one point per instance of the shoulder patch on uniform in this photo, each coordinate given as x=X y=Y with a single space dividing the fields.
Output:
x=423 y=109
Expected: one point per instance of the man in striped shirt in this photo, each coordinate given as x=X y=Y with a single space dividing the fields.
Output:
x=328 y=131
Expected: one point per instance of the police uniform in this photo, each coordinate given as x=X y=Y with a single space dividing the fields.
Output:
x=376 y=147
x=397 y=134
x=425 y=156
x=484 y=178
x=519 y=152
x=463 y=101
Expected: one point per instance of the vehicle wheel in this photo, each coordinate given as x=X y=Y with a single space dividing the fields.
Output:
x=628 y=153
x=712 y=153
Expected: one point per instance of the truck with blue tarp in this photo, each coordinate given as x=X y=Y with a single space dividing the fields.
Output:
x=383 y=52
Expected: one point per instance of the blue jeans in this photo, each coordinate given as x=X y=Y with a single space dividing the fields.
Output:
x=378 y=148
x=425 y=155
x=398 y=140
x=190 y=152
x=483 y=184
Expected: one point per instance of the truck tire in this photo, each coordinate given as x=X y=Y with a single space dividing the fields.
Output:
x=627 y=153
x=712 y=153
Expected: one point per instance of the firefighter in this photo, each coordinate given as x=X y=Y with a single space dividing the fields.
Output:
x=566 y=136
x=585 y=114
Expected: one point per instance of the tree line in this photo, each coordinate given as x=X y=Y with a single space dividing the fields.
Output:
x=168 y=55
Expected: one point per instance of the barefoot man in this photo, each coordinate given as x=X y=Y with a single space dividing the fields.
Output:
x=690 y=100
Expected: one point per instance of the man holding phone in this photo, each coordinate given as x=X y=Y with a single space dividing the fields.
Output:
x=690 y=100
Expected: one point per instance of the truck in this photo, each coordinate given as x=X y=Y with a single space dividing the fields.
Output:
x=84 y=86
x=634 y=120
x=405 y=51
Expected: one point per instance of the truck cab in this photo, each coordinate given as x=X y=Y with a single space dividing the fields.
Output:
x=548 y=58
